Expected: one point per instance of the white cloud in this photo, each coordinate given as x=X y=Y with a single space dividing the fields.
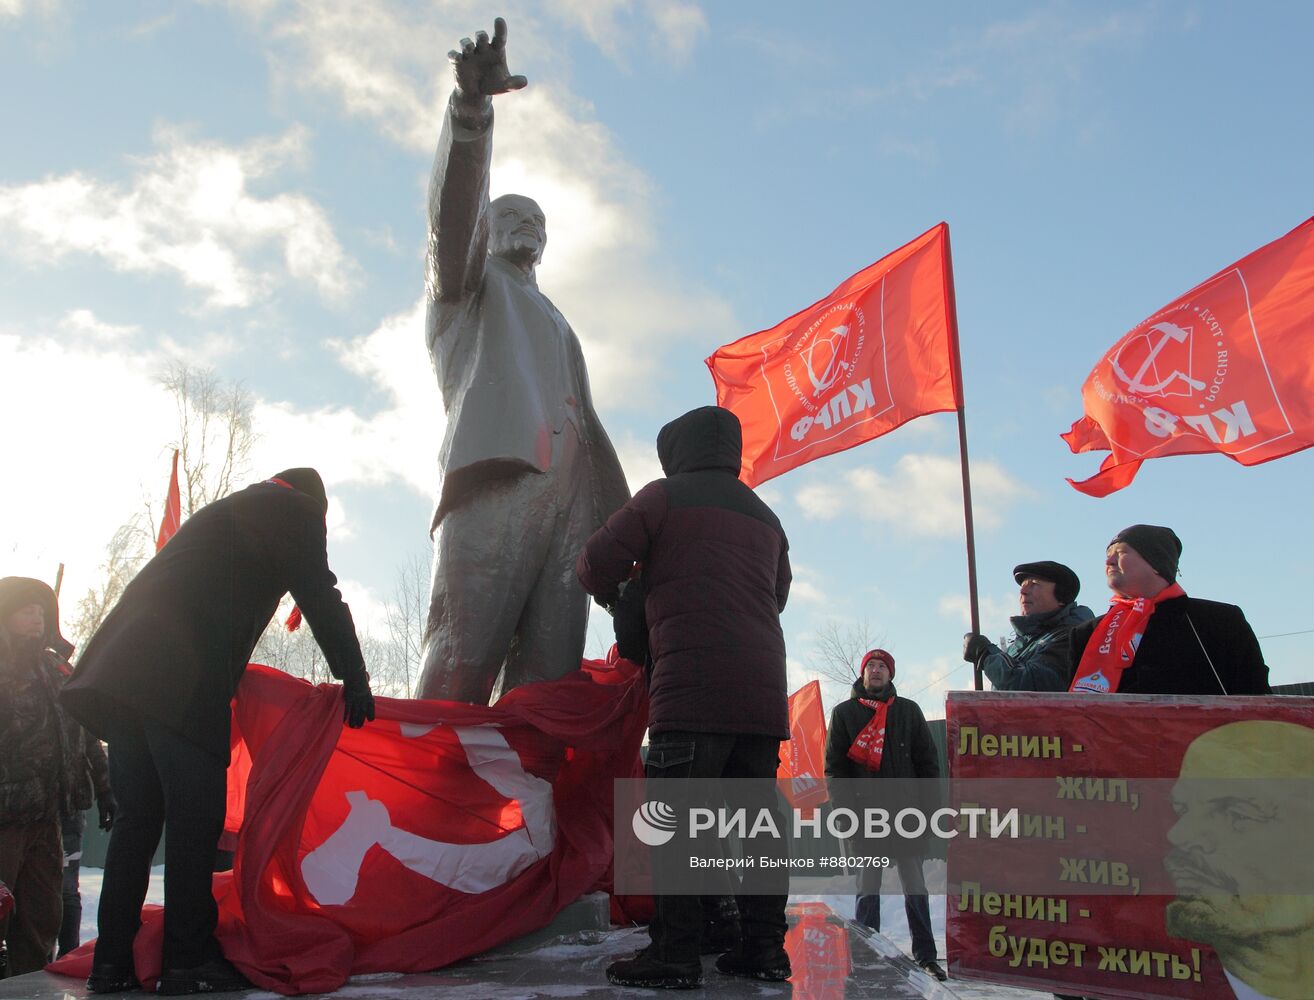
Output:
x=994 y=612
x=922 y=496
x=387 y=64
x=639 y=460
x=99 y=456
x=368 y=611
x=397 y=442
x=806 y=588
x=83 y=322
x=929 y=682
x=673 y=26
x=188 y=211
x=20 y=8
x=679 y=25
x=89 y=459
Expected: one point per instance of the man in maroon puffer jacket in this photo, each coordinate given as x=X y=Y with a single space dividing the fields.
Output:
x=716 y=567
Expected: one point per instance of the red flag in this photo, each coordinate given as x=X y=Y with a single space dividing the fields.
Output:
x=876 y=352
x=172 y=508
x=1225 y=368
x=433 y=833
x=803 y=759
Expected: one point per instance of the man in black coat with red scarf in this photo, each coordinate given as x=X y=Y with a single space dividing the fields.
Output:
x=876 y=734
x=156 y=682
x=1154 y=639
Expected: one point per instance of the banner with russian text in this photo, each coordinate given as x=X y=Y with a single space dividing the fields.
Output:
x=1228 y=367
x=1159 y=846
x=873 y=354
x=802 y=771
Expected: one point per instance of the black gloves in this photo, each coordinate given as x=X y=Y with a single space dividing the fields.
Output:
x=107 y=807
x=974 y=646
x=359 y=701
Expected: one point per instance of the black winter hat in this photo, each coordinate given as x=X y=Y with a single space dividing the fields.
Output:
x=306 y=481
x=1066 y=584
x=1158 y=546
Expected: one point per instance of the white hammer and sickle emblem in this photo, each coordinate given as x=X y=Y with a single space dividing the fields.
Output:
x=332 y=870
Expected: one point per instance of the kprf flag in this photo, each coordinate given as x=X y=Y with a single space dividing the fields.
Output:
x=876 y=352
x=1228 y=367
x=172 y=516
x=803 y=759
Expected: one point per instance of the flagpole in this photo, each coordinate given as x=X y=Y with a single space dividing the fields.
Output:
x=962 y=449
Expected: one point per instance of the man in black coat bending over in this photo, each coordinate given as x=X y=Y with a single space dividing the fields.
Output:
x=716 y=567
x=156 y=683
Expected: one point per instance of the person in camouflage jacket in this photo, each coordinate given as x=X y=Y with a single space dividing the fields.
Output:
x=49 y=766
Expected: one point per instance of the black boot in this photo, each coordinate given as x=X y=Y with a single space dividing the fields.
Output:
x=646 y=971
x=214 y=976
x=108 y=977
x=769 y=963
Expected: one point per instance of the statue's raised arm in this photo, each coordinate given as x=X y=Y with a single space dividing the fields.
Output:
x=458 y=191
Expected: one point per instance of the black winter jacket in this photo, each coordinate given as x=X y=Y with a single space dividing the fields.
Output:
x=716 y=570
x=176 y=644
x=909 y=754
x=1172 y=660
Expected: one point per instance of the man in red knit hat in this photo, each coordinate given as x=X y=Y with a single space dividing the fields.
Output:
x=877 y=734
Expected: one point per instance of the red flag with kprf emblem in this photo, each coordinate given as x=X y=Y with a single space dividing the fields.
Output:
x=1225 y=368
x=876 y=352
x=172 y=517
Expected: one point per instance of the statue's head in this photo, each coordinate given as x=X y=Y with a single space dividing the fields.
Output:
x=517 y=230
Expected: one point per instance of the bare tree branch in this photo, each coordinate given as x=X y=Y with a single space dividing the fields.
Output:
x=838 y=648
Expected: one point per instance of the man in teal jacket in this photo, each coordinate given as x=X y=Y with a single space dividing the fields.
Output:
x=1037 y=657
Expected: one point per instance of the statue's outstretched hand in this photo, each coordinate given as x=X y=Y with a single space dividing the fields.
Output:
x=480 y=66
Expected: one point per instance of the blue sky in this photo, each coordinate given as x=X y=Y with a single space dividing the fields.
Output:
x=242 y=185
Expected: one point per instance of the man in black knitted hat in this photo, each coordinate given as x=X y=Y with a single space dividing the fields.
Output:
x=156 y=682
x=1036 y=658
x=1156 y=640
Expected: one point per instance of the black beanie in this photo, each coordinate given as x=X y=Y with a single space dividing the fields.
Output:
x=306 y=481
x=1158 y=546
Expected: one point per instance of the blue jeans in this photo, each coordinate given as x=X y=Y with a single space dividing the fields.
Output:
x=678 y=919
x=916 y=904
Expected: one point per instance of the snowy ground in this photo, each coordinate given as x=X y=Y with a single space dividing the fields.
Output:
x=894 y=925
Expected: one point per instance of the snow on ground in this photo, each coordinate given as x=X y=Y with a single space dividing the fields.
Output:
x=894 y=925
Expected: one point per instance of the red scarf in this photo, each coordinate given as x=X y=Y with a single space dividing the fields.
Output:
x=870 y=743
x=1120 y=631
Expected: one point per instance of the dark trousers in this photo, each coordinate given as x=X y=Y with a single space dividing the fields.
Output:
x=916 y=904
x=159 y=778
x=678 y=919
x=70 y=930
x=30 y=862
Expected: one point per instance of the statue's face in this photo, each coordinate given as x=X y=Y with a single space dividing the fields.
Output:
x=517 y=229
